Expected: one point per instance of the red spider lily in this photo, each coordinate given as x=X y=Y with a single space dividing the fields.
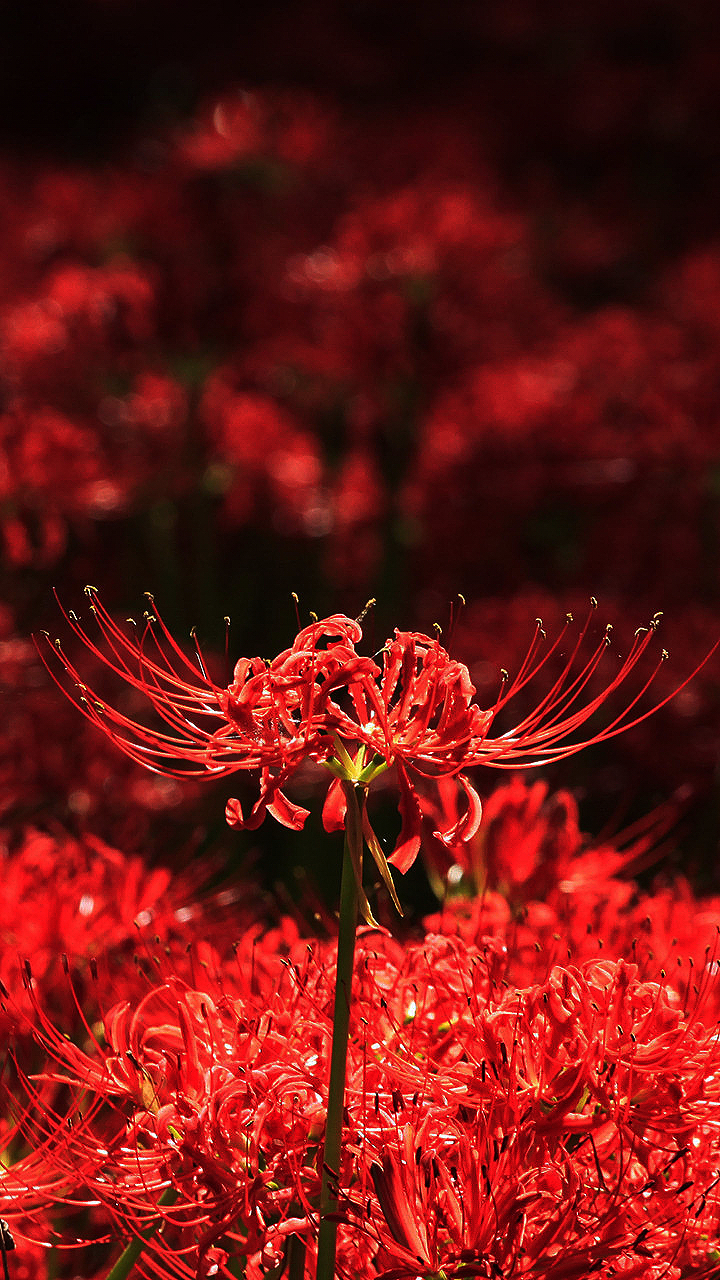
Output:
x=420 y=716
x=575 y=1127
x=548 y=1131
x=321 y=701
x=271 y=718
x=197 y=1109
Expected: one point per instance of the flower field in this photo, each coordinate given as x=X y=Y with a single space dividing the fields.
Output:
x=359 y=625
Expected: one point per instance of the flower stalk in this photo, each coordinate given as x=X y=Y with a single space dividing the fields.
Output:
x=350 y=887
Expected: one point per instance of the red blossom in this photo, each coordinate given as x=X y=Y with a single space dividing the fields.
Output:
x=555 y=1130
x=321 y=701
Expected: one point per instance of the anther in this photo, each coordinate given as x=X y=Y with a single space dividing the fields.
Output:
x=90 y=590
x=569 y=617
x=370 y=605
x=593 y=602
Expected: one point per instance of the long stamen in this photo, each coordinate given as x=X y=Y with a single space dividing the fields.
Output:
x=542 y=736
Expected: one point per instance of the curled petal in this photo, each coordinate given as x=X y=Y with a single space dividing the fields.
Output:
x=235 y=818
x=234 y=814
x=468 y=822
x=408 y=842
x=287 y=813
x=271 y=800
x=335 y=807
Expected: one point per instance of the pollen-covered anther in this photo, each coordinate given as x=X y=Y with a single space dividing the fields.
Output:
x=370 y=604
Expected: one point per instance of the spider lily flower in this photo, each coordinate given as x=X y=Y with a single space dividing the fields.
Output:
x=270 y=719
x=215 y=1100
x=549 y=1130
x=573 y=1128
x=322 y=701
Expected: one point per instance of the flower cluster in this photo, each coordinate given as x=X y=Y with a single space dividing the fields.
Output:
x=565 y=1127
x=526 y=1090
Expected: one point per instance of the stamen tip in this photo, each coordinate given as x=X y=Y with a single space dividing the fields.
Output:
x=369 y=605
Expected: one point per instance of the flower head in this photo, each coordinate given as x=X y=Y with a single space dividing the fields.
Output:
x=322 y=701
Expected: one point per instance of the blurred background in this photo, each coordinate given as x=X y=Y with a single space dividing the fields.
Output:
x=365 y=300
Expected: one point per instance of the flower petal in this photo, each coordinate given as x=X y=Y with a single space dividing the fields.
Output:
x=468 y=822
x=285 y=812
x=335 y=807
x=408 y=842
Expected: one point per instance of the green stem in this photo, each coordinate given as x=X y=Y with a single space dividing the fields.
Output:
x=352 y=858
x=296 y=1258
x=129 y=1256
